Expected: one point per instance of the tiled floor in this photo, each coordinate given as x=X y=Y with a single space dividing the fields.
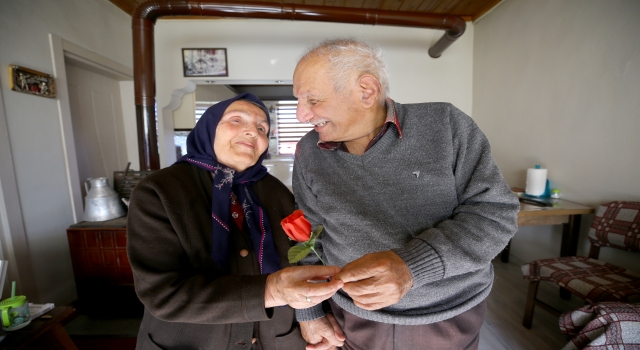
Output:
x=503 y=329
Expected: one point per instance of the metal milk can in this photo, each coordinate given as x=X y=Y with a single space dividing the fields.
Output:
x=101 y=202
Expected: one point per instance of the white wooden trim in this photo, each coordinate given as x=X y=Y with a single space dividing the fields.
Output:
x=83 y=58
x=66 y=128
x=168 y=152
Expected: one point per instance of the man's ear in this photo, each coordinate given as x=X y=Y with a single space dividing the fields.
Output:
x=370 y=89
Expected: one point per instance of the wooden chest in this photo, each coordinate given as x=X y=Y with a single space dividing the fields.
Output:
x=103 y=276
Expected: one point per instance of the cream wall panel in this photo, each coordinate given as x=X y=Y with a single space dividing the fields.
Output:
x=213 y=93
x=185 y=116
x=130 y=123
x=556 y=83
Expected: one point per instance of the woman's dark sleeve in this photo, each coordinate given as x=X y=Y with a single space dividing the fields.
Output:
x=172 y=278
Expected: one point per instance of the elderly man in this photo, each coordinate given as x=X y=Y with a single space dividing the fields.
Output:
x=413 y=206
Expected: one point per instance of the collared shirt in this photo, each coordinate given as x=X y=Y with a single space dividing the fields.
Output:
x=392 y=119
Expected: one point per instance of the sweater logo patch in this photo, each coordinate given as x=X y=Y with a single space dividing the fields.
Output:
x=416 y=174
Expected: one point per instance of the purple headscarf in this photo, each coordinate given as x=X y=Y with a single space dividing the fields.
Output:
x=225 y=180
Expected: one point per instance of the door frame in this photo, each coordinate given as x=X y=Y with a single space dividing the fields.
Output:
x=62 y=49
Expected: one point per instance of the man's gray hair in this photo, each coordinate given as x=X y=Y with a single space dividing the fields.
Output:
x=345 y=56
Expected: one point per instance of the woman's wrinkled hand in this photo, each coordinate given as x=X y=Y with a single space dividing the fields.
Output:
x=298 y=286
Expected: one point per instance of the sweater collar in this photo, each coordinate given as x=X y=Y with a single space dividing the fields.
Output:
x=392 y=119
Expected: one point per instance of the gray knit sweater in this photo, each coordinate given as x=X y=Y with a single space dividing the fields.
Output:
x=434 y=196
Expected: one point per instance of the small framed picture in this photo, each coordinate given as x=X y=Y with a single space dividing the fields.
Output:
x=32 y=82
x=205 y=62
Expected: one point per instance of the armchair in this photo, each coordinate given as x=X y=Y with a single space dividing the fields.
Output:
x=616 y=225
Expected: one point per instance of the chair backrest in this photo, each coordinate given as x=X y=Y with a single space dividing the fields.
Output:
x=617 y=225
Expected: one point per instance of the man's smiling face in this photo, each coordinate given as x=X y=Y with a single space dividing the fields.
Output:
x=335 y=116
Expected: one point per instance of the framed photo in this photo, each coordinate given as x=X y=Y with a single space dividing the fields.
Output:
x=32 y=82
x=205 y=62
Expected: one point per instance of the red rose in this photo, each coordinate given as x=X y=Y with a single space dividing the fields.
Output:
x=296 y=226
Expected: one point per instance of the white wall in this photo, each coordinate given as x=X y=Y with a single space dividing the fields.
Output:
x=130 y=126
x=556 y=83
x=268 y=50
x=213 y=93
x=34 y=126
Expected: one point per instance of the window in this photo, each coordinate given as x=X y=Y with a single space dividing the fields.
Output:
x=180 y=142
x=201 y=107
x=289 y=129
x=180 y=136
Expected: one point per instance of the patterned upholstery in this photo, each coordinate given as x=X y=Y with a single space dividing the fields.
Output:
x=617 y=225
x=609 y=325
x=590 y=279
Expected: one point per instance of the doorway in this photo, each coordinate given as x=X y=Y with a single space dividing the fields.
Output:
x=97 y=115
x=98 y=126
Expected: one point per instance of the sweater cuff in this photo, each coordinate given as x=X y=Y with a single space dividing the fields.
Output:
x=310 y=314
x=253 y=288
x=423 y=262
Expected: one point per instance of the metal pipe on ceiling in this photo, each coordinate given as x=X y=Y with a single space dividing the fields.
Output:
x=145 y=15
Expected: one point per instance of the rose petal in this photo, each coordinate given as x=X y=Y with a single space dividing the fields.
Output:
x=293 y=232
x=296 y=226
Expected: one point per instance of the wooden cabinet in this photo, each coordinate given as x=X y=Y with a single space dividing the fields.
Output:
x=104 y=281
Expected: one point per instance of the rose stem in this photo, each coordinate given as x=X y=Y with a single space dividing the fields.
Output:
x=319 y=257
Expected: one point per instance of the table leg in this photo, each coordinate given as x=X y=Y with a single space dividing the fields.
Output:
x=569 y=245
x=504 y=256
x=56 y=338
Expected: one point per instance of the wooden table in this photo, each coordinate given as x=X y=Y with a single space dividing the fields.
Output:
x=563 y=213
x=42 y=333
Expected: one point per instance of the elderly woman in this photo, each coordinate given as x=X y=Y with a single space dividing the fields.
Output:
x=208 y=254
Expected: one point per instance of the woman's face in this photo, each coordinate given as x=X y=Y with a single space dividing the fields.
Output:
x=242 y=135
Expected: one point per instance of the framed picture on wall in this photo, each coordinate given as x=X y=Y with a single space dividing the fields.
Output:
x=32 y=82
x=205 y=62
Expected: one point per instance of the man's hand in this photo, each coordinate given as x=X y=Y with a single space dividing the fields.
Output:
x=322 y=334
x=292 y=286
x=376 y=280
